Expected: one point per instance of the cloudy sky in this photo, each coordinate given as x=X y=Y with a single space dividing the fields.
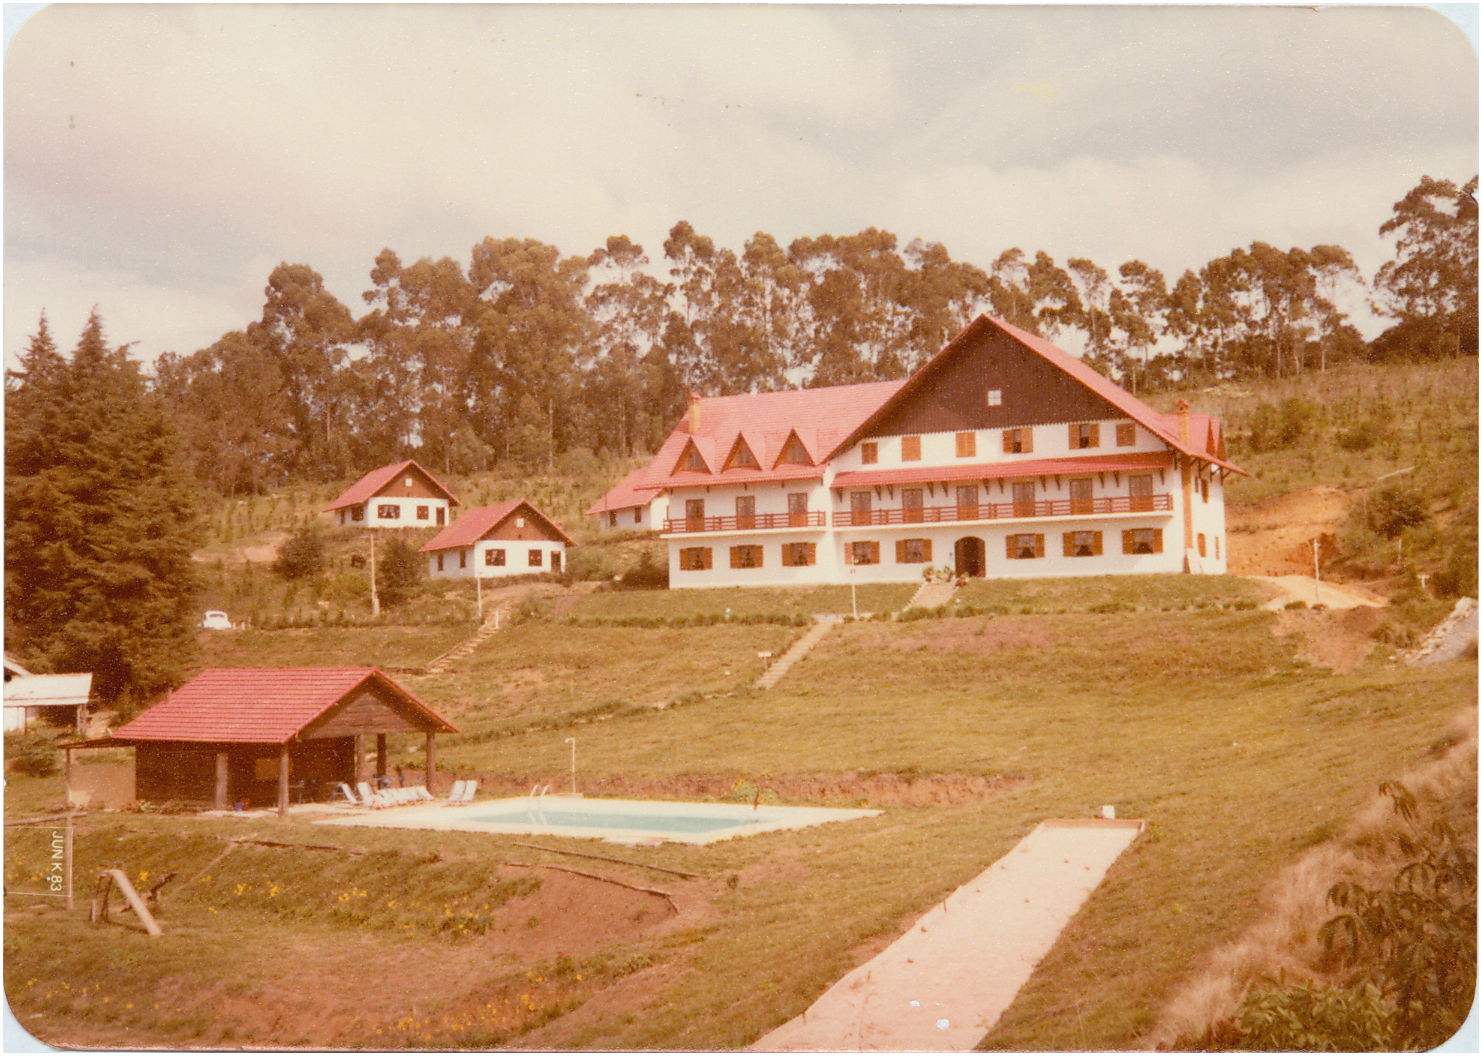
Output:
x=159 y=161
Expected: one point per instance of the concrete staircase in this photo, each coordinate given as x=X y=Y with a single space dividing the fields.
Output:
x=932 y=594
x=800 y=648
x=492 y=626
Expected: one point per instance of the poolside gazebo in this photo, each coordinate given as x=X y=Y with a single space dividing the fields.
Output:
x=260 y=734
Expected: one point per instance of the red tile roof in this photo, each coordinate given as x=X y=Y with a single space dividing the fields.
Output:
x=368 y=486
x=1030 y=467
x=821 y=418
x=262 y=705
x=623 y=495
x=475 y=524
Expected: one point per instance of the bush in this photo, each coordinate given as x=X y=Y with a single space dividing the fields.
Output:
x=302 y=554
x=648 y=574
x=398 y=571
x=31 y=753
x=1395 y=507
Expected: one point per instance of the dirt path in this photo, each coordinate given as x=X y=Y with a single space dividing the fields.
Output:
x=1311 y=592
x=943 y=984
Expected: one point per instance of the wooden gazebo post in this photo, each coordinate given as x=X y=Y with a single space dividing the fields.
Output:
x=431 y=752
x=283 y=781
x=223 y=790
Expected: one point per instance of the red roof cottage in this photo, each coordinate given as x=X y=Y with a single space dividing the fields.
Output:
x=262 y=735
x=506 y=539
x=401 y=495
x=628 y=505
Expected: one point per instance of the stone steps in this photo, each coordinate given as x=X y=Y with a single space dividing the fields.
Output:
x=932 y=595
x=800 y=648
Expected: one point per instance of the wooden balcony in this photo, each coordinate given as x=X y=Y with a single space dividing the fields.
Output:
x=1000 y=511
x=745 y=522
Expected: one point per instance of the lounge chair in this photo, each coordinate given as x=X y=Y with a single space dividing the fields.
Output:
x=369 y=798
x=348 y=792
x=469 y=788
x=420 y=794
x=455 y=794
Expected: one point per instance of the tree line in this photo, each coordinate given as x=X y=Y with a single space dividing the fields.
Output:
x=525 y=352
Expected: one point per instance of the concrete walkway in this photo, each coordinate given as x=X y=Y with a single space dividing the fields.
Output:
x=800 y=648
x=943 y=984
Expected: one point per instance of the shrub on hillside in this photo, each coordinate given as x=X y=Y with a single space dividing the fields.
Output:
x=31 y=753
x=1395 y=507
x=648 y=574
x=302 y=555
x=398 y=571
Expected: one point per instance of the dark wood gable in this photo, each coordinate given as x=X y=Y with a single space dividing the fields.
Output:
x=955 y=394
x=422 y=486
x=370 y=709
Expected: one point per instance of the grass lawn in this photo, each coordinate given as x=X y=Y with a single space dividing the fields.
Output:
x=391 y=645
x=751 y=601
x=1200 y=720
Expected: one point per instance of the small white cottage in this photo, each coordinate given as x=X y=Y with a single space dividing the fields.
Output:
x=401 y=495
x=506 y=539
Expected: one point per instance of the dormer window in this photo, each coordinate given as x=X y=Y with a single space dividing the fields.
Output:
x=741 y=457
x=794 y=453
x=691 y=460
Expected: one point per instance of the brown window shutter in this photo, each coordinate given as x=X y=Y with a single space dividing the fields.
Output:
x=1039 y=546
x=926 y=550
x=1128 y=546
x=735 y=557
x=1008 y=441
x=1008 y=547
x=1126 y=434
x=967 y=444
x=787 y=555
x=900 y=551
x=1026 y=440
x=875 y=552
x=1158 y=541
x=760 y=553
x=1096 y=543
x=1096 y=439
x=810 y=554
x=1069 y=540
x=1074 y=437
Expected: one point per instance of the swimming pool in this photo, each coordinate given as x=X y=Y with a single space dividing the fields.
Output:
x=615 y=820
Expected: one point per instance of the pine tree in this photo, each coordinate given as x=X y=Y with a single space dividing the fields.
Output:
x=100 y=522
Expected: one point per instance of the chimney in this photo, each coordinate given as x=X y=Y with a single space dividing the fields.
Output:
x=1183 y=422
x=694 y=412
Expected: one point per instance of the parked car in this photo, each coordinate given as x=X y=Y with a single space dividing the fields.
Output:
x=216 y=620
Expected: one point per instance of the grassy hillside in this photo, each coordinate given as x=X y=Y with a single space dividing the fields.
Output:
x=1189 y=708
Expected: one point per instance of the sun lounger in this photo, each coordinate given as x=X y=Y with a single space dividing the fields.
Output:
x=455 y=794
x=469 y=788
x=348 y=792
x=420 y=794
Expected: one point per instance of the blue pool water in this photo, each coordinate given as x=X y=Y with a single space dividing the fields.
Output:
x=577 y=819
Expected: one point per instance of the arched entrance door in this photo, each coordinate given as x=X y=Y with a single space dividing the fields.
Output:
x=969 y=556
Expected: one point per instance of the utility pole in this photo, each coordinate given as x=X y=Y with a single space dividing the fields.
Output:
x=1316 y=572
x=375 y=597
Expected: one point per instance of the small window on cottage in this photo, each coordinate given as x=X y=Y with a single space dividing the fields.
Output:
x=537 y=558
x=863 y=553
x=439 y=562
x=796 y=555
x=746 y=557
x=388 y=511
x=741 y=457
x=1018 y=441
x=357 y=513
x=691 y=459
x=995 y=397
x=424 y=513
x=494 y=557
x=462 y=558
x=1126 y=434
x=912 y=551
x=407 y=482
x=967 y=445
x=612 y=519
x=637 y=515
x=519 y=522
x=869 y=452
x=910 y=449
x=1085 y=434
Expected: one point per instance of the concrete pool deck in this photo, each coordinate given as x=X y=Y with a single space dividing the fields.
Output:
x=943 y=984
x=627 y=821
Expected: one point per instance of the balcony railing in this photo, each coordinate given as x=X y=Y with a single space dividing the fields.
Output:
x=994 y=511
x=745 y=522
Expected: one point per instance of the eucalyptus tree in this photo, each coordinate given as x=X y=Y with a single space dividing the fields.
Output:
x=1094 y=289
x=1430 y=287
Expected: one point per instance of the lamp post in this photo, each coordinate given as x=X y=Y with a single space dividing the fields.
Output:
x=853 y=594
x=572 y=741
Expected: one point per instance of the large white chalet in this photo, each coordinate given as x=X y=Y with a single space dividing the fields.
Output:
x=1002 y=456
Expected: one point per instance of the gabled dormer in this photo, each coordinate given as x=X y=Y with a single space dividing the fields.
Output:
x=793 y=452
x=691 y=460
x=742 y=456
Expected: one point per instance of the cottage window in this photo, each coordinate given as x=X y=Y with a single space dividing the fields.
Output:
x=494 y=558
x=424 y=513
x=869 y=452
x=743 y=457
x=694 y=558
x=1085 y=434
x=1082 y=544
x=746 y=557
x=910 y=449
x=862 y=553
x=745 y=511
x=388 y=511
x=637 y=516
x=691 y=459
x=462 y=558
x=1126 y=434
x=1080 y=495
x=612 y=519
x=967 y=445
x=796 y=555
x=439 y=562
x=1024 y=498
x=357 y=513
x=536 y=558
x=995 y=397
x=912 y=551
x=407 y=482
x=519 y=522
x=1140 y=488
x=912 y=503
x=1142 y=541
x=1025 y=546
x=1018 y=441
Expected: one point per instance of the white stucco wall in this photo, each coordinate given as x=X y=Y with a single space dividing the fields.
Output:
x=516 y=559
x=407 y=510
